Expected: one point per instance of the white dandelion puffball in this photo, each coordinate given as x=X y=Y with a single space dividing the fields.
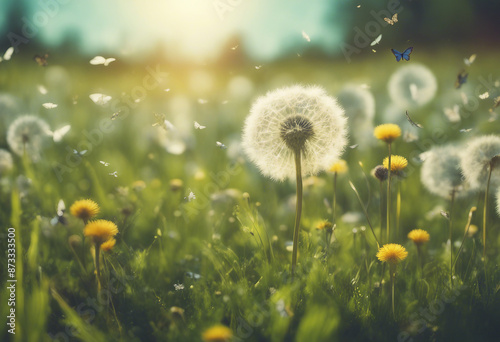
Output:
x=441 y=173
x=476 y=160
x=6 y=163
x=29 y=133
x=359 y=106
x=412 y=86
x=296 y=118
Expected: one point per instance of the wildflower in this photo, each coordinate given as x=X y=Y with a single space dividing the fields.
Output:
x=339 y=167
x=412 y=86
x=418 y=236
x=398 y=163
x=294 y=131
x=108 y=245
x=29 y=134
x=387 y=132
x=84 y=209
x=290 y=119
x=380 y=172
x=217 y=333
x=100 y=231
x=392 y=253
x=441 y=173
x=6 y=163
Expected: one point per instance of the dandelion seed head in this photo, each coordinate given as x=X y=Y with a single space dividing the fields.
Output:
x=441 y=173
x=84 y=209
x=476 y=159
x=29 y=133
x=6 y=162
x=412 y=86
x=418 y=236
x=387 y=132
x=392 y=253
x=381 y=173
x=100 y=231
x=296 y=117
x=358 y=103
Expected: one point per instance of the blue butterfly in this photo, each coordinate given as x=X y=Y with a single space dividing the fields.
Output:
x=405 y=55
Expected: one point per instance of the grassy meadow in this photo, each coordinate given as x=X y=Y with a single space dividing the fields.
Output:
x=204 y=239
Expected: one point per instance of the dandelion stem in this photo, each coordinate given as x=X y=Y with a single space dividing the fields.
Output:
x=365 y=212
x=98 y=273
x=398 y=209
x=450 y=236
x=485 y=210
x=420 y=261
x=393 y=273
x=467 y=226
x=298 y=209
x=334 y=199
x=389 y=193
x=381 y=211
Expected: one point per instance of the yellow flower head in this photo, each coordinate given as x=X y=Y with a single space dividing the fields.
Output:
x=418 y=236
x=398 y=163
x=392 y=253
x=217 y=333
x=387 y=132
x=100 y=231
x=339 y=167
x=472 y=230
x=108 y=245
x=84 y=209
x=176 y=184
x=324 y=225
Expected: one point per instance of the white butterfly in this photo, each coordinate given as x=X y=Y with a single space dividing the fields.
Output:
x=453 y=114
x=115 y=174
x=100 y=99
x=198 y=126
x=42 y=89
x=376 y=40
x=470 y=60
x=104 y=163
x=484 y=95
x=306 y=36
x=58 y=134
x=61 y=208
x=7 y=55
x=220 y=145
x=49 y=105
x=100 y=60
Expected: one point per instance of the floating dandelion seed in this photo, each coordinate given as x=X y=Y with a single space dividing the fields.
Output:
x=28 y=133
x=100 y=60
x=59 y=133
x=198 y=126
x=234 y=47
x=7 y=55
x=412 y=86
x=100 y=99
x=114 y=174
x=167 y=90
x=6 y=162
x=217 y=333
x=257 y=67
x=465 y=130
x=104 y=163
x=220 y=145
x=306 y=36
x=49 y=105
x=80 y=153
x=441 y=174
x=41 y=89
x=294 y=131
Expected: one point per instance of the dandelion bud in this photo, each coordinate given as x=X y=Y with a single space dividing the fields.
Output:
x=381 y=173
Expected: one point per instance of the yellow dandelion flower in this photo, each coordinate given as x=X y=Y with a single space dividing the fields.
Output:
x=324 y=225
x=392 y=253
x=108 y=245
x=472 y=230
x=387 y=132
x=217 y=333
x=339 y=167
x=398 y=163
x=100 y=231
x=84 y=209
x=418 y=236
x=176 y=184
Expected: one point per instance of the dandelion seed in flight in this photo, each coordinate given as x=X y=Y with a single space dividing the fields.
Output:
x=100 y=60
x=115 y=174
x=220 y=145
x=234 y=47
x=470 y=60
x=59 y=133
x=453 y=114
x=166 y=90
x=393 y=20
x=353 y=146
x=258 y=67
x=7 y=55
x=41 y=89
x=80 y=153
x=359 y=6
x=49 y=105
x=100 y=99
x=484 y=96
x=413 y=122
x=376 y=40
x=198 y=126
x=202 y=101
x=104 y=163
x=306 y=36
x=190 y=197
x=464 y=130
